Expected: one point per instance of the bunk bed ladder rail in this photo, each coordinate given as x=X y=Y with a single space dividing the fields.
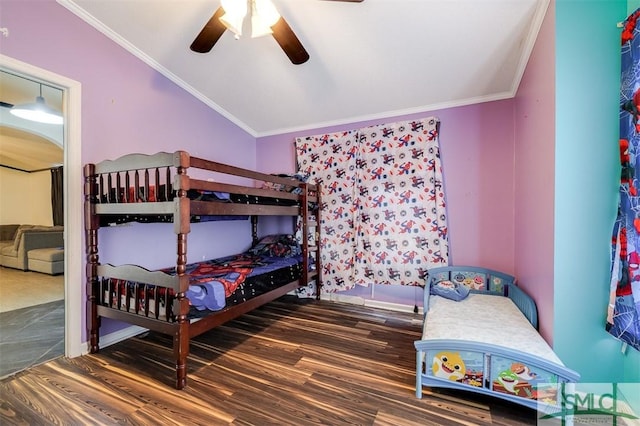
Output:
x=304 y=212
x=318 y=192
x=310 y=219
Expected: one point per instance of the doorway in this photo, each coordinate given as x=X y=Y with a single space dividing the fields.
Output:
x=31 y=154
x=74 y=316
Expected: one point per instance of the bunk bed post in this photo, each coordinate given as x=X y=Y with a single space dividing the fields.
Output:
x=182 y=219
x=92 y=224
x=304 y=212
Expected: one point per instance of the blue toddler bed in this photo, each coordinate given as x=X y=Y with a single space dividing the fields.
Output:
x=480 y=335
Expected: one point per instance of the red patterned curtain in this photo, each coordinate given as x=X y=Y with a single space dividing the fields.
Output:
x=384 y=219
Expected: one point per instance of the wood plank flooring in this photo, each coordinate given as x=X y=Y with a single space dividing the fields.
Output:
x=291 y=362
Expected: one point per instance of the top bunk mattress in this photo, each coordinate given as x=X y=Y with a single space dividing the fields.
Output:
x=488 y=319
x=176 y=187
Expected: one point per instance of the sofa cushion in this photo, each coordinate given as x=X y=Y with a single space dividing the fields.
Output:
x=6 y=247
x=25 y=228
x=53 y=254
x=18 y=235
x=7 y=232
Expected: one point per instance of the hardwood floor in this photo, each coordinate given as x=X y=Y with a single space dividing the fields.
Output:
x=291 y=362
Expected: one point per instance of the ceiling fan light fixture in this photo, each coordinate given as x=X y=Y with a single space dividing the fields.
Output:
x=38 y=111
x=263 y=16
x=235 y=11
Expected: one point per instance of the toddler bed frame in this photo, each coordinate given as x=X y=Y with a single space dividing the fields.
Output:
x=487 y=342
x=152 y=188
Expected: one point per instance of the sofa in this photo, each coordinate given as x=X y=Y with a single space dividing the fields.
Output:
x=17 y=240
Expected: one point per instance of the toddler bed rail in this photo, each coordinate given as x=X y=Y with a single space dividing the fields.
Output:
x=180 y=189
x=483 y=338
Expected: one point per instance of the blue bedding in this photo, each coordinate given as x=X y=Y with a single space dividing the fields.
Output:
x=213 y=281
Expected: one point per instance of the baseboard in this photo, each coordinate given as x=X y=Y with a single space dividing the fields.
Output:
x=116 y=336
x=391 y=306
x=335 y=297
x=356 y=300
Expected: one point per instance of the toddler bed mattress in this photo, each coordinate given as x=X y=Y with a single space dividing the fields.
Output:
x=487 y=319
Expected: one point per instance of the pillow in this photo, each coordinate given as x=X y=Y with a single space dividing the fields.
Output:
x=296 y=178
x=450 y=290
x=209 y=295
x=278 y=245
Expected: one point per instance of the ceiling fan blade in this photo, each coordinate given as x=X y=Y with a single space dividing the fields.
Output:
x=289 y=42
x=209 y=34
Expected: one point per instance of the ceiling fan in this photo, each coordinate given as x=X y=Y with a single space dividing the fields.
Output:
x=230 y=15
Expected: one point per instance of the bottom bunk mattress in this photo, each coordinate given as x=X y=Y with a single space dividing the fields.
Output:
x=213 y=284
x=485 y=344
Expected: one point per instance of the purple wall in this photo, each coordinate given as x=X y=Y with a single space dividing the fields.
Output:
x=126 y=107
x=129 y=107
x=535 y=162
x=477 y=155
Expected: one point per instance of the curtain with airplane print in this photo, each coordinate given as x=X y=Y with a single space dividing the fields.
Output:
x=623 y=316
x=384 y=218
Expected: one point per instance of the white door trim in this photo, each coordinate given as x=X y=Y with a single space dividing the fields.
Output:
x=73 y=199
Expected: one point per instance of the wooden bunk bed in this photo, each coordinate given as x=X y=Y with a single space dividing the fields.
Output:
x=159 y=188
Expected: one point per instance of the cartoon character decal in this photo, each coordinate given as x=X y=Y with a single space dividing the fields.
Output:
x=509 y=380
x=461 y=367
x=522 y=371
x=459 y=277
x=517 y=380
x=472 y=281
x=449 y=365
x=496 y=284
x=473 y=378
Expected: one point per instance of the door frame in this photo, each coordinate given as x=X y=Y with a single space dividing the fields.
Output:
x=73 y=199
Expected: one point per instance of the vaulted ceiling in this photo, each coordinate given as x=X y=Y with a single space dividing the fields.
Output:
x=368 y=60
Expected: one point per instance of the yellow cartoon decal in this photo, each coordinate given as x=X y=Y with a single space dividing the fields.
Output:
x=448 y=365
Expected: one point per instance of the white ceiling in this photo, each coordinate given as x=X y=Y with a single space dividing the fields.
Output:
x=25 y=145
x=374 y=59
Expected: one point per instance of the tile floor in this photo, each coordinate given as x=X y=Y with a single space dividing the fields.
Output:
x=31 y=336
